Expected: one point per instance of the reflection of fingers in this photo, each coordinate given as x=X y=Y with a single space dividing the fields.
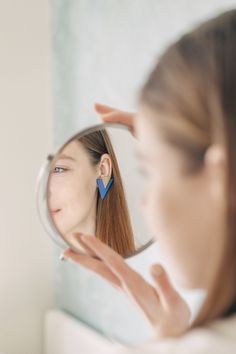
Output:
x=103 y=109
x=94 y=265
x=167 y=293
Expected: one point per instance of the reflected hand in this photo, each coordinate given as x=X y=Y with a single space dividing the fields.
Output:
x=163 y=307
x=113 y=115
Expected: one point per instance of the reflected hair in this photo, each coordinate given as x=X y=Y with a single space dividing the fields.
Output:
x=113 y=225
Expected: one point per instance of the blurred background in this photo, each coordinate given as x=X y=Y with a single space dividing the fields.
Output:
x=57 y=57
x=26 y=289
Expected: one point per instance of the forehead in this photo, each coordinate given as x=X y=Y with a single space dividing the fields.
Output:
x=148 y=133
x=74 y=150
x=152 y=146
x=149 y=122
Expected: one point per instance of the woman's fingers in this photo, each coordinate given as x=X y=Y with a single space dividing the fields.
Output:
x=119 y=117
x=166 y=292
x=161 y=304
x=132 y=283
x=113 y=115
x=111 y=258
x=103 y=109
x=80 y=247
x=175 y=308
x=114 y=262
x=94 y=265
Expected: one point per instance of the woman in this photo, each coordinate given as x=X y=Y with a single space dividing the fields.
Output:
x=186 y=127
x=74 y=201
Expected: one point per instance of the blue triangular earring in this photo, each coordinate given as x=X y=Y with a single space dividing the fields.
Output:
x=104 y=185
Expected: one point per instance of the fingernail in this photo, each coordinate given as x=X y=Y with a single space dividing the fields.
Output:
x=62 y=257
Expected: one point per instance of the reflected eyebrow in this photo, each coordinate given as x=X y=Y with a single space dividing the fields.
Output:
x=61 y=157
x=65 y=157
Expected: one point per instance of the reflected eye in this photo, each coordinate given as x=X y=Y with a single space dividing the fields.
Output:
x=58 y=169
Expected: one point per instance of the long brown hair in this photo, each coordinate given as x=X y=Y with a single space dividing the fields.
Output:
x=113 y=225
x=194 y=83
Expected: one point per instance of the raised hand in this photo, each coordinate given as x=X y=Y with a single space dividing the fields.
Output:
x=163 y=307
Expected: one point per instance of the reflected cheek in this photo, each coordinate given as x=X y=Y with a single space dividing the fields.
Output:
x=61 y=198
x=56 y=189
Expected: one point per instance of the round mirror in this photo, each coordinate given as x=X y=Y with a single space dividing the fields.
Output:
x=91 y=185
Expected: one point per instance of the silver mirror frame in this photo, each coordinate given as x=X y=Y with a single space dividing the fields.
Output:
x=42 y=186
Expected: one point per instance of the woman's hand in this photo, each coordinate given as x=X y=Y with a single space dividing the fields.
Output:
x=113 y=115
x=161 y=304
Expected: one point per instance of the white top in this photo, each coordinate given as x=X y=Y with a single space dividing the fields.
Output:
x=65 y=335
x=219 y=337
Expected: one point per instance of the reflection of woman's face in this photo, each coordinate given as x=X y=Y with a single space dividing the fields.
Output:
x=73 y=190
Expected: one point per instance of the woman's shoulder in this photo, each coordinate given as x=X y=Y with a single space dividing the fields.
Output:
x=218 y=337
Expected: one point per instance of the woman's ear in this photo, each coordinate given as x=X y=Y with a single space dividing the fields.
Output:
x=105 y=166
x=215 y=163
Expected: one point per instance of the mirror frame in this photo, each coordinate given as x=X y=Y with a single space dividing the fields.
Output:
x=43 y=171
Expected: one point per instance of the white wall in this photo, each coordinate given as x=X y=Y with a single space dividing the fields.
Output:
x=25 y=135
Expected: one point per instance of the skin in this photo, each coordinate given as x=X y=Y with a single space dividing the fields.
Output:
x=73 y=189
x=186 y=212
x=176 y=205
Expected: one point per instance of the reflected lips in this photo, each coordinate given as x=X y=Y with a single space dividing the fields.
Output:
x=55 y=211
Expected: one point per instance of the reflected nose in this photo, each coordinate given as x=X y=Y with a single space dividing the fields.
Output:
x=50 y=192
x=52 y=187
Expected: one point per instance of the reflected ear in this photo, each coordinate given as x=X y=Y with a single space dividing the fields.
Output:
x=105 y=166
x=215 y=164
